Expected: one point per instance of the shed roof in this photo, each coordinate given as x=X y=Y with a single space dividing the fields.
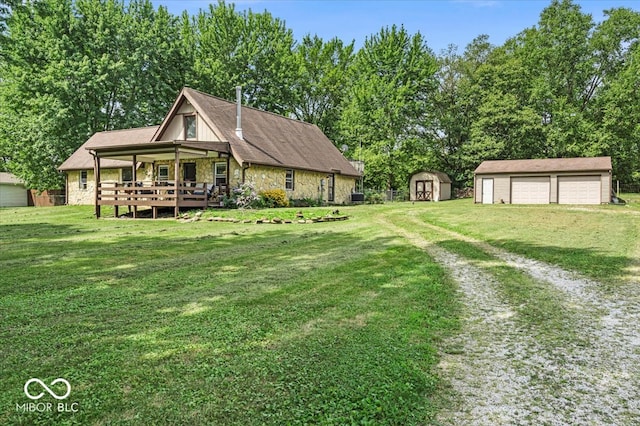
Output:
x=443 y=177
x=82 y=159
x=545 y=165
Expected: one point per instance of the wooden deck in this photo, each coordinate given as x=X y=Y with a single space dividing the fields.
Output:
x=153 y=195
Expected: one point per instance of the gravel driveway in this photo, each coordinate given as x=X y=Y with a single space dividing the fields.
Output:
x=500 y=374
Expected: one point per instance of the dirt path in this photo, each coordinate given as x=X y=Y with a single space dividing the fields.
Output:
x=501 y=376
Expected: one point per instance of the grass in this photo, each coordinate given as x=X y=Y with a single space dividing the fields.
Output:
x=601 y=242
x=166 y=322
x=162 y=322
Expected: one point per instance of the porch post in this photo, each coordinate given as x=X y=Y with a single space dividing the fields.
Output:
x=134 y=178
x=177 y=181
x=96 y=178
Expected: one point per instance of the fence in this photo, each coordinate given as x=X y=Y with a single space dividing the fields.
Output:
x=48 y=198
x=626 y=187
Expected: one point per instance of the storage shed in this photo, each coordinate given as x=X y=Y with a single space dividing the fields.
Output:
x=13 y=193
x=552 y=180
x=429 y=186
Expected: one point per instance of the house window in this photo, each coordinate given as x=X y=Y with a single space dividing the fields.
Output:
x=190 y=126
x=127 y=174
x=83 y=179
x=288 y=179
x=220 y=173
x=331 y=184
x=163 y=173
x=189 y=172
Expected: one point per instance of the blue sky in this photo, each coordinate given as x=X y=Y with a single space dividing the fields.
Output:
x=441 y=22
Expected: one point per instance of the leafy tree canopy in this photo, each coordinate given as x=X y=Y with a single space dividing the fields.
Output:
x=566 y=87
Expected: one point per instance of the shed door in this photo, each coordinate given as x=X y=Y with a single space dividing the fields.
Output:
x=487 y=191
x=530 y=190
x=579 y=189
x=424 y=190
x=13 y=196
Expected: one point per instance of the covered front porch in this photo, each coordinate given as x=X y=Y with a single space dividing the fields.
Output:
x=159 y=192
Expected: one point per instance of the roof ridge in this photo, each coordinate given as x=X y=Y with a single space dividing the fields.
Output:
x=250 y=107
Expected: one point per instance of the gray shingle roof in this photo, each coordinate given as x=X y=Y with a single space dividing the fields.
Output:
x=81 y=159
x=268 y=139
x=545 y=165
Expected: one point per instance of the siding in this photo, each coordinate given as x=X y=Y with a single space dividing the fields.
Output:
x=175 y=128
x=441 y=190
x=13 y=195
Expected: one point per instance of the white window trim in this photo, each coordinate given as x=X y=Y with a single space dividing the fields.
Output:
x=82 y=183
x=216 y=174
x=163 y=167
x=195 y=123
x=122 y=174
x=289 y=181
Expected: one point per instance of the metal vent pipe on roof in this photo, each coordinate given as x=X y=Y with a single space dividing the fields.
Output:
x=239 y=112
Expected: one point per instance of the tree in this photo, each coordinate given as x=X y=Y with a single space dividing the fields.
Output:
x=392 y=79
x=252 y=50
x=76 y=68
x=454 y=107
x=563 y=88
x=321 y=82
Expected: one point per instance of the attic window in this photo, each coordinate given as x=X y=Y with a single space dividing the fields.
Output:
x=190 y=126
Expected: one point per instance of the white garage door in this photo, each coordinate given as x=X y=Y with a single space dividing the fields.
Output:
x=12 y=195
x=579 y=189
x=530 y=190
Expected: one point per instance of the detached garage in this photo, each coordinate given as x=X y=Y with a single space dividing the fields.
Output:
x=552 y=180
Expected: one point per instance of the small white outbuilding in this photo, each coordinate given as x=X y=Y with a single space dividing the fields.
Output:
x=429 y=186
x=13 y=193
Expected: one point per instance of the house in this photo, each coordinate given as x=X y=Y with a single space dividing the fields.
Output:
x=553 y=180
x=13 y=193
x=429 y=186
x=204 y=147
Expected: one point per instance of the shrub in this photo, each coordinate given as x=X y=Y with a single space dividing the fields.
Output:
x=373 y=197
x=274 y=198
x=242 y=197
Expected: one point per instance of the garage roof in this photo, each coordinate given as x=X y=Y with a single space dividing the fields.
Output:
x=545 y=165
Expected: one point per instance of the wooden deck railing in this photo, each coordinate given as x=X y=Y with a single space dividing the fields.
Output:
x=153 y=194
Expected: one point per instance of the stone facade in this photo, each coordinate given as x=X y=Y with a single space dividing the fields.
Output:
x=307 y=184
x=76 y=194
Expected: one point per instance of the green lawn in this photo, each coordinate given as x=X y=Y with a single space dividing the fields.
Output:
x=602 y=242
x=161 y=322
x=165 y=322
